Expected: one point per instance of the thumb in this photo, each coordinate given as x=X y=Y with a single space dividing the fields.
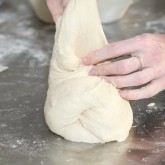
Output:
x=56 y=8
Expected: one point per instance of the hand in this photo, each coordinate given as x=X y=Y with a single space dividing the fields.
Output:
x=146 y=66
x=57 y=7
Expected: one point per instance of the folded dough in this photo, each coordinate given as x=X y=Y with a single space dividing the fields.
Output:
x=79 y=107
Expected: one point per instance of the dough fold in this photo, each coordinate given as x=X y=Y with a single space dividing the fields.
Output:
x=79 y=107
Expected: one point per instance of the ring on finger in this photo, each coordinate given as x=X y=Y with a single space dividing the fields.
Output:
x=140 y=62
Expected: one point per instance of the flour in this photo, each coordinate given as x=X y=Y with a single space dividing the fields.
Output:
x=23 y=39
x=14 y=47
x=156 y=26
x=3 y=68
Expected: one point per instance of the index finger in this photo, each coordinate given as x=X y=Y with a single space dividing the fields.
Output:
x=113 y=50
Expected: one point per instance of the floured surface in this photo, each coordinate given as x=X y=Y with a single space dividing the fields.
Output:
x=24 y=135
x=79 y=107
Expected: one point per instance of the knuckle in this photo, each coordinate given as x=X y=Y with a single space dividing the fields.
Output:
x=145 y=39
x=156 y=57
x=151 y=48
x=112 y=47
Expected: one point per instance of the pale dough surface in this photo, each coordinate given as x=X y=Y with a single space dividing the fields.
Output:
x=79 y=107
x=3 y=68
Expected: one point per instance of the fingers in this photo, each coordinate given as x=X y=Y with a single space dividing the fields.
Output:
x=149 y=53
x=134 y=79
x=65 y=2
x=121 y=67
x=148 y=91
x=56 y=8
x=111 y=51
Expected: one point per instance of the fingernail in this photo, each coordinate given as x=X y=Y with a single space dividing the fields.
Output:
x=93 y=72
x=86 y=61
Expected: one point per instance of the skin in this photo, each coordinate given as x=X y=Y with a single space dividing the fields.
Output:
x=57 y=7
x=150 y=48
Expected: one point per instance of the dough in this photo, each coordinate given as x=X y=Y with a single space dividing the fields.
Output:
x=3 y=68
x=79 y=107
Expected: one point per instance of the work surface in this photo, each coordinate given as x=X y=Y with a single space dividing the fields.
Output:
x=25 y=47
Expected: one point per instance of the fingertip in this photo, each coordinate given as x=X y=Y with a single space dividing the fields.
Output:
x=86 y=61
x=124 y=95
x=93 y=72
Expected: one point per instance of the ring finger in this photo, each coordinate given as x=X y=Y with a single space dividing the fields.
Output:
x=121 y=67
x=134 y=79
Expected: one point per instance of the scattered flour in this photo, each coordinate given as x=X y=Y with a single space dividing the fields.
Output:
x=156 y=26
x=12 y=47
x=150 y=105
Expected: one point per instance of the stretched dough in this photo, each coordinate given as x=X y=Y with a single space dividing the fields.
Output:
x=79 y=107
